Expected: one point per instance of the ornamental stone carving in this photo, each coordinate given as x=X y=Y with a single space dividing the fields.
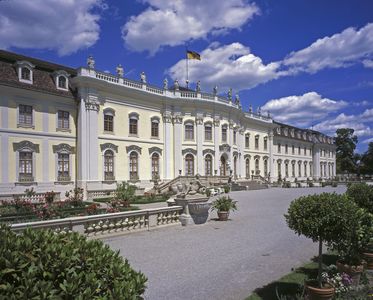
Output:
x=63 y=148
x=176 y=85
x=167 y=118
x=178 y=119
x=225 y=148
x=198 y=87
x=215 y=90
x=133 y=148
x=92 y=103
x=155 y=149
x=110 y=146
x=247 y=156
x=26 y=145
x=165 y=84
x=235 y=153
x=143 y=77
x=216 y=122
x=208 y=151
x=189 y=150
x=90 y=62
x=230 y=94
x=199 y=120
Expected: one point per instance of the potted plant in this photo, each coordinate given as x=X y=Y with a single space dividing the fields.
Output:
x=318 y=217
x=224 y=205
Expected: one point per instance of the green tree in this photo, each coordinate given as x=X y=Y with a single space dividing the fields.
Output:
x=346 y=144
x=367 y=160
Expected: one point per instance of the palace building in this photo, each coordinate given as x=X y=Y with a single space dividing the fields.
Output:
x=63 y=127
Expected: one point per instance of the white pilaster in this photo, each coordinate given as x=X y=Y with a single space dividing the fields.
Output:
x=271 y=163
x=199 y=125
x=217 y=142
x=168 y=147
x=178 y=134
x=316 y=162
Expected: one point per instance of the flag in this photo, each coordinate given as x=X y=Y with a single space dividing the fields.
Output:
x=193 y=55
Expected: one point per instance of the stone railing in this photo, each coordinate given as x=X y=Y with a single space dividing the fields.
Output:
x=99 y=225
x=183 y=94
x=37 y=197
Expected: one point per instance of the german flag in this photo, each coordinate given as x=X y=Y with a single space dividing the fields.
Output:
x=193 y=55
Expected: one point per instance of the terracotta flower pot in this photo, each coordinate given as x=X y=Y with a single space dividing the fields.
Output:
x=315 y=293
x=368 y=257
x=353 y=271
x=223 y=215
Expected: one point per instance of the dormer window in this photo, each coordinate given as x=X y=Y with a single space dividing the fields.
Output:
x=61 y=80
x=25 y=71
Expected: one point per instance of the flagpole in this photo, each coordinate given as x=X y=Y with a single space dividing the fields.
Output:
x=187 y=73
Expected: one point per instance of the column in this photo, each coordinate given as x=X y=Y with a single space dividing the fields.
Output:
x=178 y=134
x=168 y=146
x=316 y=162
x=87 y=139
x=216 y=144
x=199 y=125
x=271 y=162
x=230 y=139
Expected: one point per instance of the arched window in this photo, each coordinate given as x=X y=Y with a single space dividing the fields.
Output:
x=155 y=128
x=224 y=133
x=305 y=169
x=293 y=169
x=234 y=137
x=25 y=74
x=133 y=124
x=25 y=166
x=257 y=171
x=208 y=165
x=299 y=168
x=266 y=167
x=286 y=169
x=311 y=169
x=257 y=141
x=247 y=164
x=63 y=162
x=189 y=131
x=62 y=82
x=208 y=132
x=155 y=166
x=109 y=120
x=235 y=166
x=189 y=165
x=265 y=143
x=134 y=164
x=247 y=140
x=279 y=168
x=109 y=165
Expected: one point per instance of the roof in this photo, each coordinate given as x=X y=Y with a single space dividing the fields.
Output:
x=42 y=74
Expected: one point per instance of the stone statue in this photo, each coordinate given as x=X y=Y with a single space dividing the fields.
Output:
x=215 y=90
x=230 y=94
x=143 y=77
x=268 y=114
x=198 y=87
x=237 y=99
x=176 y=85
x=259 y=111
x=196 y=187
x=120 y=70
x=90 y=62
x=165 y=84
x=250 y=108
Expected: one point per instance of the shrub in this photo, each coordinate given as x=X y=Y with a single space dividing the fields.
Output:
x=224 y=204
x=361 y=194
x=45 y=265
x=125 y=192
x=208 y=192
x=226 y=189
x=286 y=185
x=334 y=184
x=321 y=218
x=75 y=197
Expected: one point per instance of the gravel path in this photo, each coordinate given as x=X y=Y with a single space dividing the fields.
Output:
x=221 y=260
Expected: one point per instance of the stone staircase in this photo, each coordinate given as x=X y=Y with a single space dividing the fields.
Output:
x=248 y=185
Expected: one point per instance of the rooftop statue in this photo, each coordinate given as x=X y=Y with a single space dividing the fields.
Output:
x=165 y=84
x=230 y=94
x=176 y=85
x=198 y=87
x=90 y=62
x=143 y=77
x=120 y=70
x=215 y=90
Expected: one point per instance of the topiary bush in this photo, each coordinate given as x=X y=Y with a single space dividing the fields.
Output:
x=40 y=264
x=361 y=194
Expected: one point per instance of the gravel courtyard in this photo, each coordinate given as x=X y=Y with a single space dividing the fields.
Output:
x=221 y=260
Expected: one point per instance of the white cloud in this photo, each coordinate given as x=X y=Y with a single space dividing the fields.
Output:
x=172 y=23
x=228 y=66
x=303 y=110
x=367 y=141
x=368 y=63
x=339 y=50
x=65 y=26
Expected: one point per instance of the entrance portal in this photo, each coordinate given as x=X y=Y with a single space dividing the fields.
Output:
x=223 y=167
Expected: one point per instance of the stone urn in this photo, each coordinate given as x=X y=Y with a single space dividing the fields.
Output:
x=315 y=293
x=353 y=271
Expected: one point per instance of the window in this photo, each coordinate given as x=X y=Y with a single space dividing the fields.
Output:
x=278 y=148
x=234 y=137
x=286 y=169
x=293 y=169
x=299 y=168
x=208 y=165
x=109 y=165
x=257 y=142
x=63 y=119
x=247 y=167
x=305 y=169
x=26 y=74
x=155 y=128
x=155 y=166
x=266 y=167
x=224 y=133
x=279 y=168
x=286 y=149
x=134 y=175
x=25 y=167
x=257 y=171
x=133 y=126
x=292 y=149
x=208 y=132
x=311 y=170
x=25 y=115
x=247 y=140
x=109 y=123
x=62 y=82
x=299 y=150
x=189 y=165
x=63 y=167
x=265 y=143
x=189 y=131
x=305 y=151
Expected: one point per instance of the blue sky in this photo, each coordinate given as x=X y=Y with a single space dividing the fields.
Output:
x=310 y=63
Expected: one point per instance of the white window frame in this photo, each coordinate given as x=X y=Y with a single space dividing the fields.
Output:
x=108 y=111
x=155 y=120
x=133 y=116
x=23 y=125
x=29 y=66
x=189 y=123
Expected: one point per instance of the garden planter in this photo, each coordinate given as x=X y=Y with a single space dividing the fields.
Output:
x=315 y=293
x=368 y=257
x=223 y=215
x=353 y=271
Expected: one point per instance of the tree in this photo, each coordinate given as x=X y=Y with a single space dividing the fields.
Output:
x=346 y=144
x=367 y=160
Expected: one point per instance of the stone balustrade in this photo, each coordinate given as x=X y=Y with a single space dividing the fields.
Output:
x=98 y=225
x=37 y=197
